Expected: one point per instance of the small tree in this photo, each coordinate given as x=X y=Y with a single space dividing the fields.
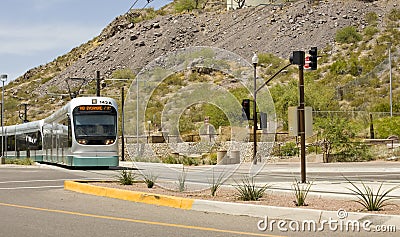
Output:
x=335 y=132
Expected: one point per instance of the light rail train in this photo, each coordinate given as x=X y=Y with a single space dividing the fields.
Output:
x=83 y=133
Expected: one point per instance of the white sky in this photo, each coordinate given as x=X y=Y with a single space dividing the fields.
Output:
x=35 y=32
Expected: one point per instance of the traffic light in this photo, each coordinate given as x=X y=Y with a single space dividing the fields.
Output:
x=297 y=58
x=313 y=58
x=246 y=109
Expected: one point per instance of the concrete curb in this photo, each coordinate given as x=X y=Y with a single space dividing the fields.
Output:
x=272 y=212
x=148 y=198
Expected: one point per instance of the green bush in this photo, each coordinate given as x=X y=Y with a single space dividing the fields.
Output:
x=339 y=67
x=348 y=35
x=371 y=18
x=289 y=149
x=394 y=15
x=25 y=161
x=370 y=31
x=185 y=160
x=385 y=127
x=354 y=152
x=184 y=5
x=123 y=74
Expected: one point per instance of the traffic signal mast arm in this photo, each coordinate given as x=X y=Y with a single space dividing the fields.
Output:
x=276 y=74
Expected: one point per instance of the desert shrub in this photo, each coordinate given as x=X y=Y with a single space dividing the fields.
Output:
x=184 y=5
x=394 y=15
x=123 y=74
x=348 y=35
x=25 y=161
x=288 y=149
x=338 y=67
x=300 y=192
x=248 y=191
x=385 y=127
x=354 y=152
x=126 y=177
x=371 y=18
x=149 y=179
x=370 y=31
x=368 y=198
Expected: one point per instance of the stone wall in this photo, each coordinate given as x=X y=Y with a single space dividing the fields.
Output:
x=154 y=151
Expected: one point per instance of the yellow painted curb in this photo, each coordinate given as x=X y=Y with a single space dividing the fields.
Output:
x=133 y=196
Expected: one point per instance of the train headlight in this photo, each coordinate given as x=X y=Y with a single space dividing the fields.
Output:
x=109 y=141
x=82 y=141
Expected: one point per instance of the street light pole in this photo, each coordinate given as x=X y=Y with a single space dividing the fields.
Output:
x=254 y=60
x=3 y=78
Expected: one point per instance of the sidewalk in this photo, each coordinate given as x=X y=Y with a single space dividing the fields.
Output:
x=337 y=188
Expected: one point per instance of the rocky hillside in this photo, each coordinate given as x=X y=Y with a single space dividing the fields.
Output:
x=125 y=44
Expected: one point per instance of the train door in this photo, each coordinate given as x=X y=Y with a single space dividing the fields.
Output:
x=47 y=142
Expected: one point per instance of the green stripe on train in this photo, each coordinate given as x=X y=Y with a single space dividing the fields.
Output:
x=93 y=161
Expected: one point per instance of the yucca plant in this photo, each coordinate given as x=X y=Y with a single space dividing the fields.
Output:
x=126 y=177
x=300 y=192
x=215 y=184
x=149 y=179
x=370 y=200
x=248 y=191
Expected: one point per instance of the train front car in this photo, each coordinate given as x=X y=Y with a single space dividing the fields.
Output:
x=94 y=132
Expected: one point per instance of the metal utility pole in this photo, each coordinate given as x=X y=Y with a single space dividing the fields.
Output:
x=97 y=83
x=122 y=125
x=302 y=125
x=390 y=79
x=255 y=62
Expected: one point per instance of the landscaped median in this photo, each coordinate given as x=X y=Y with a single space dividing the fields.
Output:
x=268 y=212
x=134 y=196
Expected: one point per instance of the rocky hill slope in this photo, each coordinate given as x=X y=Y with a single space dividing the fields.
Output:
x=268 y=29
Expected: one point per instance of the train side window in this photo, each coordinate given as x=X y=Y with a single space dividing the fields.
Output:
x=67 y=123
x=10 y=143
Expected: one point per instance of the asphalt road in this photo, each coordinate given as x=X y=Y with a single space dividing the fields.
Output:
x=34 y=203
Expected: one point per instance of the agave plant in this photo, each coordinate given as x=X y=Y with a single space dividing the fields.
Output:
x=126 y=177
x=248 y=191
x=370 y=200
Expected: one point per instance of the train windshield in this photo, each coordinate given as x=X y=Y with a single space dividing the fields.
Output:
x=95 y=125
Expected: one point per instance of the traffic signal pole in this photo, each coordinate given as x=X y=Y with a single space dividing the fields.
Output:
x=302 y=130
